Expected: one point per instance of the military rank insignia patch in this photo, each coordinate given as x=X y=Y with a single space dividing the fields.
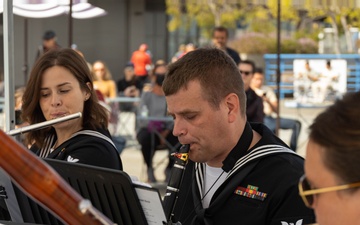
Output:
x=251 y=192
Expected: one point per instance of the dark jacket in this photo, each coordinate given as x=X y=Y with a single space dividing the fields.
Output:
x=87 y=147
x=234 y=55
x=254 y=107
x=274 y=177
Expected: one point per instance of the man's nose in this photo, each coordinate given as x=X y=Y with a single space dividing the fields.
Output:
x=179 y=128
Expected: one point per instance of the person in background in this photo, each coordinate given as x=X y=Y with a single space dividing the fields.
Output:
x=270 y=108
x=103 y=80
x=19 y=93
x=180 y=52
x=119 y=141
x=2 y=86
x=142 y=62
x=220 y=38
x=238 y=172
x=129 y=86
x=61 y=84
x=155 y=105
x=331 y=184
x=104 y=83
x=325 y=81
x=49 y=41
x=188 y=48
x=254 y=104
x=148 y=86
x=302 y=83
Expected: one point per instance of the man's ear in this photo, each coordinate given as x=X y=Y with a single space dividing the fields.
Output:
x=233 y=107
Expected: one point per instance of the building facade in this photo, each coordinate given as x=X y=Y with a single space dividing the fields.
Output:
x=111 y=38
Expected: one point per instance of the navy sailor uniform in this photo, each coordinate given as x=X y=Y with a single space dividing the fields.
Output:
x=261 y=187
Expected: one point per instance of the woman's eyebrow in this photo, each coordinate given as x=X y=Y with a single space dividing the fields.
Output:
x=59 y=85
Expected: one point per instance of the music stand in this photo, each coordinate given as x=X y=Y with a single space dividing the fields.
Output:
x=110 y=191
x=8 y=193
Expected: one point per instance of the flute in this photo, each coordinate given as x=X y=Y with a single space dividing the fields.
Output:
x=43 y=124
x=175 y=181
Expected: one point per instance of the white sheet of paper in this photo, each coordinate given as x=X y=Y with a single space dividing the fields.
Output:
x=152 y=205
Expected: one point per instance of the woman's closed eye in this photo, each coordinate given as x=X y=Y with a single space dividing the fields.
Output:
x=44 y=94
x=64 y=91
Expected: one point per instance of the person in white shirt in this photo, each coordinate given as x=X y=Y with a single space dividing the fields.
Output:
x=270 y=108
x=325 y=81
x=302 y=83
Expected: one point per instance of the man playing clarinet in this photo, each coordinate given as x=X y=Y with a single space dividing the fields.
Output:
x=238 y=172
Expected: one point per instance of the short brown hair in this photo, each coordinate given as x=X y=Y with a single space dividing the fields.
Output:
x=337 y=130
x=248 y=62
x=94 y=115
x=220 y=29
x=214 y=69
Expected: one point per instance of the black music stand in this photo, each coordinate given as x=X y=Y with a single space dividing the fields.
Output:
x=110 y=191
x=8 y=198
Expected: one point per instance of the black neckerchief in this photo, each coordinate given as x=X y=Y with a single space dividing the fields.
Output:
x=240 y=149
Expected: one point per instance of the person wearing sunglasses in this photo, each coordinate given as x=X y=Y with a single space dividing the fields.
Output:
x=331 y=184
x=254 y=103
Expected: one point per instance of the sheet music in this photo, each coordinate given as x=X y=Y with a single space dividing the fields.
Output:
x=152 y=205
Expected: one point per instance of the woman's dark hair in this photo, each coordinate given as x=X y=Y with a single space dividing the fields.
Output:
x=94 y=115
x=337 y=130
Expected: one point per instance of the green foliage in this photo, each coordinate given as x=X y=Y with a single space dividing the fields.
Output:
x=260 y=21
x=173 y=9
x=228 y=19
x=288 y=12
x=204 y=19
x=204 y=12
x=252 y=43
x=308 y=33
x=307 y=46
x=257 y=43
x=265 y=27
x=354 y=17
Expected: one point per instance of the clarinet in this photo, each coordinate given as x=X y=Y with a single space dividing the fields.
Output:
x=175 y=181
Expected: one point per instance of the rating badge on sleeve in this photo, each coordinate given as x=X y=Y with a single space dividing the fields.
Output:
x=251 y=192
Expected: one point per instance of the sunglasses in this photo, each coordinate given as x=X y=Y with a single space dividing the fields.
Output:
x=246 y=73
x=307 y=194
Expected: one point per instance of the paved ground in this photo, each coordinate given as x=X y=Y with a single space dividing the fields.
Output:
x=134 y=164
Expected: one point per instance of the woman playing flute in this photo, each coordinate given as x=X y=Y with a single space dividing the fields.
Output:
x=60 y=84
